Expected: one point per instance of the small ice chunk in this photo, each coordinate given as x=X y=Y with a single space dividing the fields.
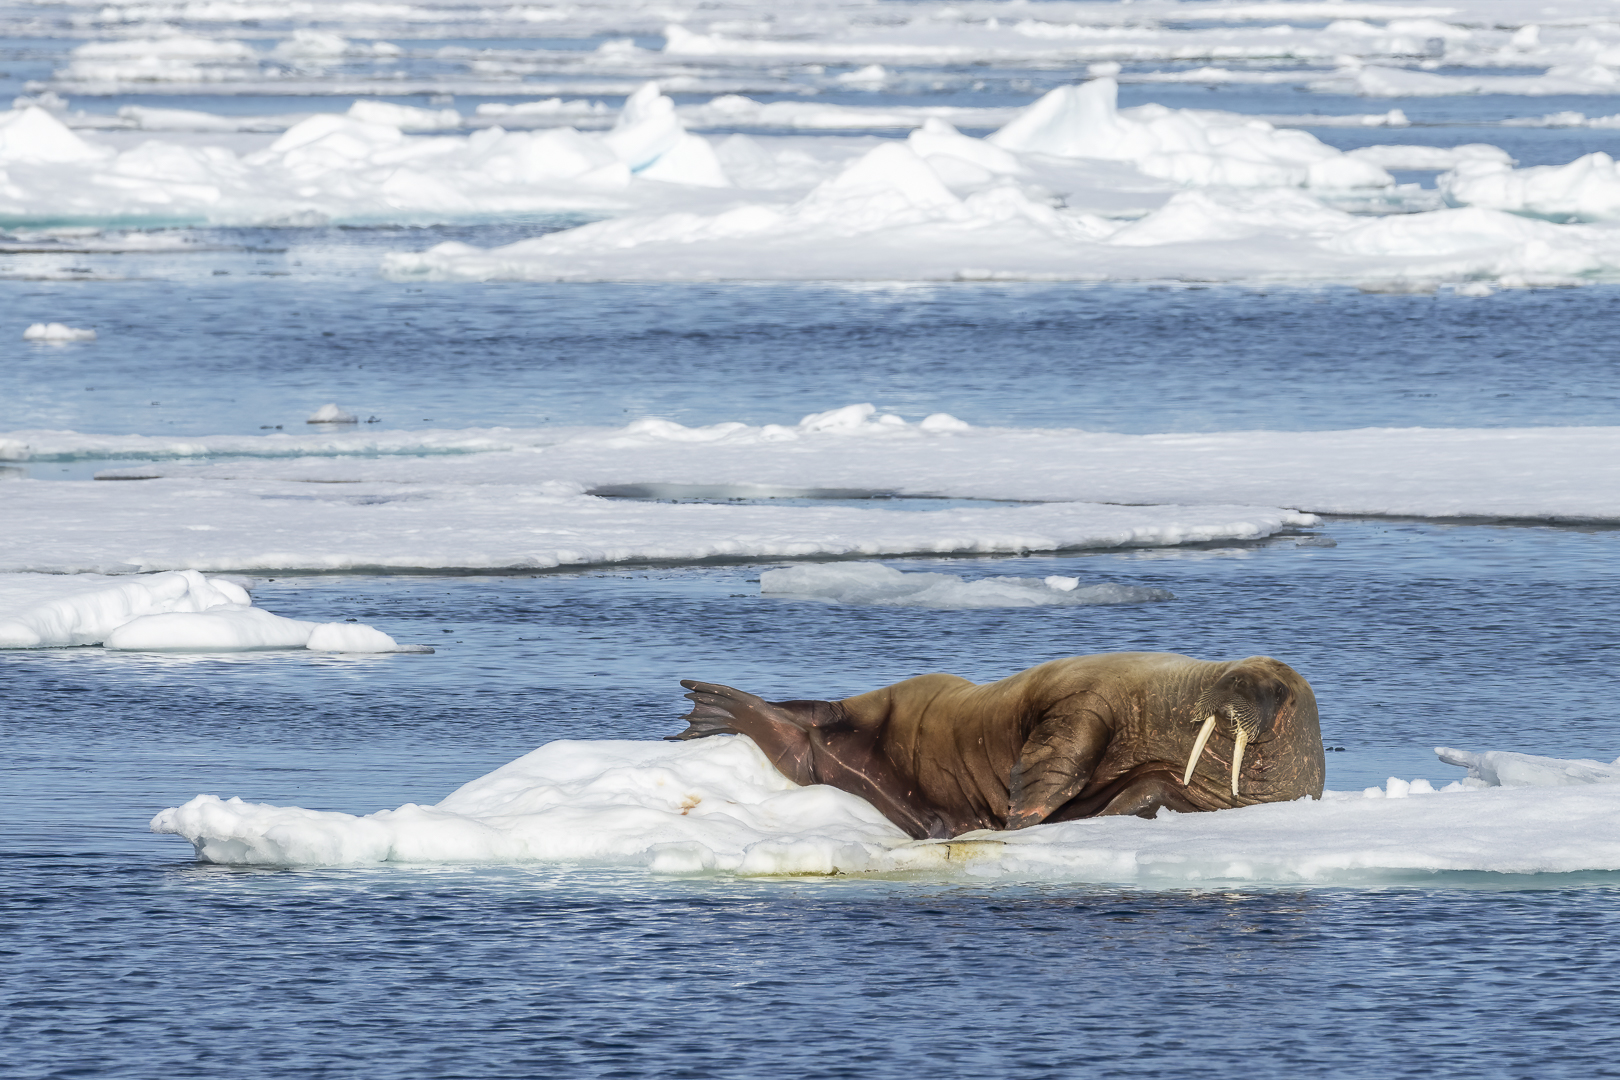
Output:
x=350 y=637
x=57 y=333
x=943 y=422
x=870 y=77
x=874 y=583
x=1504 y=768
x=404 y=117
x=331 y=414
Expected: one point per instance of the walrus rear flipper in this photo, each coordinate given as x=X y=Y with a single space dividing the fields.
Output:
x=780 y=728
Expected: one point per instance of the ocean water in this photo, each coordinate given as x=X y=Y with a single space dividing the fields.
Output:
x=126 y=957
x=121 y=956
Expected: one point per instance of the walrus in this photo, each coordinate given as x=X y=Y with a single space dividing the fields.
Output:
x=1086 y=736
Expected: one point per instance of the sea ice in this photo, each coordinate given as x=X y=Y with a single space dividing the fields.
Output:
x=717 y=805
x=1503 y=768
x=522 y=497
x=215 y=527
x=331 y=414
x=355 y=166
x=174 y=611
x=874 y=583
x=1587 y=188
x=56 y=333
x=1181 y=145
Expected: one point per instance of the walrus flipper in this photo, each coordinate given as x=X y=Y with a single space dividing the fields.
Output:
x=1054 y=766
x=780 y=728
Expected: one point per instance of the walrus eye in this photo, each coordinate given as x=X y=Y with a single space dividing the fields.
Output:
x=1198 y=749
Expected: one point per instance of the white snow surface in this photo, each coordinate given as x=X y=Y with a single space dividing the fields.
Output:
x=874 y=583
x=178 y=611
x=717 y=805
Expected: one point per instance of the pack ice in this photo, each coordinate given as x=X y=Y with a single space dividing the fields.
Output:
x=1071 y=188
x=717 y=805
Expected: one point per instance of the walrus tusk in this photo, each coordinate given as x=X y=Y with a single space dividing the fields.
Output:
x=1198 y=748
x=1240 y=740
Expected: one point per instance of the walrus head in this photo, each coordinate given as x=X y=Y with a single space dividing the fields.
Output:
x=1249 y=699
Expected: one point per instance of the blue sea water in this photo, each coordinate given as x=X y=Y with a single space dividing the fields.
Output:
x=121 y=956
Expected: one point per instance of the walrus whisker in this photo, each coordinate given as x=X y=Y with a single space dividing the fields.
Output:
x=1239 y=742
x=1198 y=749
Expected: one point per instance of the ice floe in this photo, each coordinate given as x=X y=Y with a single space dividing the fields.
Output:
x=717 y=805
x=856 y=450
x=178 y=611
x=1181 y=145
x=550 y=497
x=523 y=523
x=1071 y=188
x=1504 y=768
x=360 y=165
x=1243 y=201
x=330 y=413
x=56 y=333
x=874 y=583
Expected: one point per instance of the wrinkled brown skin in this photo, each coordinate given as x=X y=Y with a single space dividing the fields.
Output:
x=1081 y=737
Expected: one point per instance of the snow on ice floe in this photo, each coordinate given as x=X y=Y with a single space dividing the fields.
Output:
x=874 y=583
x=717 y=805
x=179 y=611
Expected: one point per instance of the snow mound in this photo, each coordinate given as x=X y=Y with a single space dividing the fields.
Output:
x=32 y=136
x=1182 y=145
x=874 y=583
x=174 y=611
x=359 y=165
x=717 y=805
x=1587 y=188
x=57 y=333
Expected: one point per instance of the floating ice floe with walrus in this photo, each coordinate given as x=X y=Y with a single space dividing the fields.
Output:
x=1087 y=736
